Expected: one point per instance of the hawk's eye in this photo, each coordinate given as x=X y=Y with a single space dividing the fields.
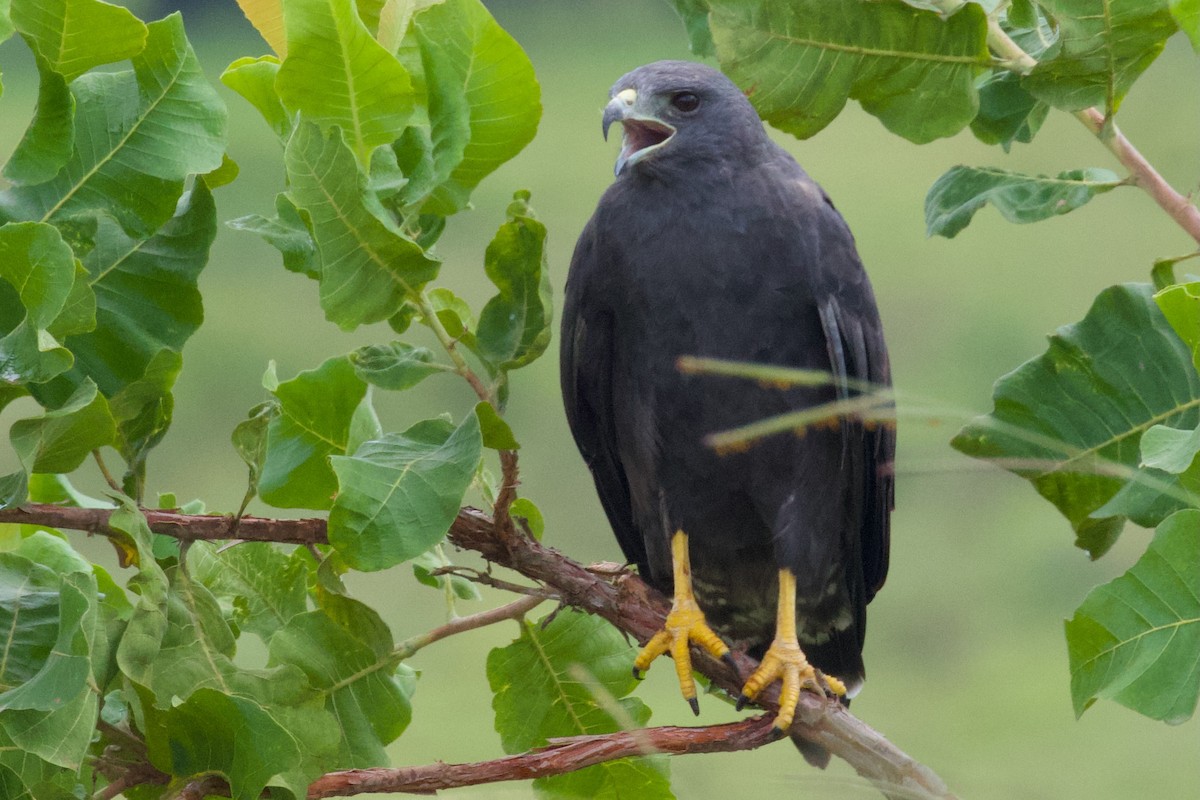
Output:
x=685 y=102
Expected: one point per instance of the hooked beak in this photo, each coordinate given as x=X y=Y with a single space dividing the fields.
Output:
x=642 y=134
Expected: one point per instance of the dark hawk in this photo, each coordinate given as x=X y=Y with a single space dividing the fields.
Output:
x=713 y=242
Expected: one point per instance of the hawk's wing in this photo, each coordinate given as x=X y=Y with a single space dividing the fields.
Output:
x=586 y=373
x=854 y=338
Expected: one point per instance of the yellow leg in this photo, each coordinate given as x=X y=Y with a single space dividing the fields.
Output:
x=685 y=624
x=785 y=660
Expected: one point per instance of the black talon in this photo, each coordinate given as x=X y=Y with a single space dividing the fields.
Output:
x=777 y=733
x=695 y=704
x=729 y=662
x=742 y=700
x=637 y=673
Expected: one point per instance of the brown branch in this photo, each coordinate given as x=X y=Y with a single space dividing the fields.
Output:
x=626 y=602
x=559 y=757
x=185 y=527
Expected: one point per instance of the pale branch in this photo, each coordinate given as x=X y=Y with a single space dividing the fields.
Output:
x=560 y=756
x=626 y=602
x=514 y=610
x=1144 y=175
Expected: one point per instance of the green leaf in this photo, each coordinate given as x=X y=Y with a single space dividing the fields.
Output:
x=195 y=648
x=79 y=311
x=368 y=266
x=37 y=274
x=694 y=14
x=223 y=175
x=59 y=440
x=143 y=410
x=143 y=637
x=1007 y=113
x=6 y=27
x=46 y=145
x=364 y=424
x=396 y=366
x=799 y=62
x=230 y=735
x=1103 y=47
x=73 y=36
x=143 y=131
x=58 y=489
x=1187 y=17
x=288 y=233
x=1136 y=639
x=1169 y=449
x=254 y=80
x=315 y=409
x=957 y=195
x=147 y=306
x=544 y=686
x=399 y=494
x=483 y=97
x=1181 y=306
x=526 y=511
x=455 y=315
x=250 y=440
x=29 y=617
x=434 y=559
x=1071 y=420
x=496 y=433
x=514 y=326
x=335 y=73
x=264 y=586
x=267 y=18
x=14 y=489
x=350 y=660
x=52 y=712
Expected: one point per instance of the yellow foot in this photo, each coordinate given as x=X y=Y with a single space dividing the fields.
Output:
x=785 y=660
x=685 y=625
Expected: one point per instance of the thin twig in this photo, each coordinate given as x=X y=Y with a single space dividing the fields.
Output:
x=126 y=781
x=487 y=579
x=514 y=610
x=451 y=347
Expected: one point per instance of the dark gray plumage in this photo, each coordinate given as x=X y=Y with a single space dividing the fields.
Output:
x=712 y=241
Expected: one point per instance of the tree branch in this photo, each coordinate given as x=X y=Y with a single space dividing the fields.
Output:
x=626 y=602
x=515 y=609
x=185 y=527
x=559 y=757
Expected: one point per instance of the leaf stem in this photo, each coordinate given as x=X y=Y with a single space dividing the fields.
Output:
x=451 y=347
x=108 y=477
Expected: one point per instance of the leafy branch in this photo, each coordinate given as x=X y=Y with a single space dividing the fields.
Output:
x=628 y=603
x=1104 y=127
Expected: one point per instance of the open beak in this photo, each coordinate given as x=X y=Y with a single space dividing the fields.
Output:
x=642 y=134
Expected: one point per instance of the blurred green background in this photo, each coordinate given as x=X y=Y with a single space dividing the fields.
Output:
x=966 y=658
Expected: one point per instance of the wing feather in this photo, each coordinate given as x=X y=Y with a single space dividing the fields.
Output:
x=586 y=351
